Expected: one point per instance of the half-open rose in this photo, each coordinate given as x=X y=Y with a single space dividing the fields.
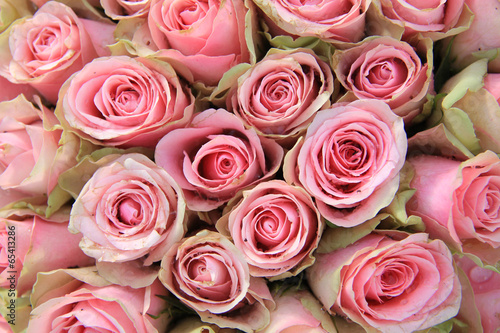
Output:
x=123 y=101
x=349 y=160
x=215 y=157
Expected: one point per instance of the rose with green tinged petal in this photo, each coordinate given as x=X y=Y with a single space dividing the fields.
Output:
x=123 y=9
x=195 y=325
x=17 y=319
x=388 y=282
x=459 y=202
x=11 y=10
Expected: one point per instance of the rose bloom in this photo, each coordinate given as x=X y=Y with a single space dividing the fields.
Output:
x=279 y=96
x=64 y=303
x=389 y=70
x=349 y=160
x=459 y=202
x=392 y=282
x=215 y=157
x=338 y=20
x=122 y=9
x=126 y=102
x=276 y=226
x=35 y=249
x=298 y=311
x=32 y=157
x=206 y=36
x=210 y=275
x=129 y=209
x=44 y=50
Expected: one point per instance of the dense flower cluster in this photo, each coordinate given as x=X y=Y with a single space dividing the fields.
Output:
x=256 y=166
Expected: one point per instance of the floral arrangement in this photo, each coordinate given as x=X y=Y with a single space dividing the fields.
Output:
x=250 y=166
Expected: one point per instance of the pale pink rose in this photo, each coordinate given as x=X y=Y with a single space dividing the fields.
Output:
x=44 y=50
x=12 y=90
x=276 y=226
x=459 y=202
x=349 y=160
x=423 y=16
x=30 y=244
x=298 y=311
x=122 y=9
x=207 y=36
x=338 y=20
x=389 y=281
x=32 y=156
x=215 y=157
x=67 y=304
x=126 y=102
x=279 y=95
x=389 y=70
x=486 y=287
x=210 y=275
x=129 y=209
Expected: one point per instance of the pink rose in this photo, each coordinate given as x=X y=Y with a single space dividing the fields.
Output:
x=279 y=96
x=276 y=226
x=216 y=157
x=129 y=209
x=206 y=36
x=459 y=202
x=338 y=20
x=122 y=9
x=392 y=282
x=210 y=275
x=389 y=70
x=32 y=156
x=50 y=46
x=298 y=311
x=492 y=85
x=126 y=102
x=349 y=160
x=62 y=301
x=31 y=245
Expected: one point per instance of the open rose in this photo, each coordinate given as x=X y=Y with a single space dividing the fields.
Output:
x=349 y=160
x=459 y=202
x=123 y=101
x=276 y=226
x=389 y=70
x=216 y=157
x=206 y=36
x=129 y=209
x=39 y=246
x=338 y=20
x=279 y=96
x=44 y=50
x=79 y=299
x=210 y=275
x=392 y=282
x=121 y=9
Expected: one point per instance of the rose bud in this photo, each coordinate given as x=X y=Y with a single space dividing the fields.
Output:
x=349 y=160
x=216 y=157
x=276 y=226
x=388 y=282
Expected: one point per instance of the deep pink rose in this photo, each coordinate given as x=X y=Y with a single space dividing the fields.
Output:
x=349 y=160
x=32 y=156
x=207 y=36
x=129 y=209
x=276 y=226
x=216 y=157
x=279 y=96
x=210 y=275
x=122 y=9
x=50 y=46
x=64 y=303
x=38 y=245
x=389 y=70
x=459 y=202
x=391 y=282
x=337 y=20
x=126 y=102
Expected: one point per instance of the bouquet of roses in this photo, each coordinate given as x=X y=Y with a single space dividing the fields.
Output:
x=249 y=166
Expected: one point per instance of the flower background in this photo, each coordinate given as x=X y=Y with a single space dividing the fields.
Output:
x=249 y=166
